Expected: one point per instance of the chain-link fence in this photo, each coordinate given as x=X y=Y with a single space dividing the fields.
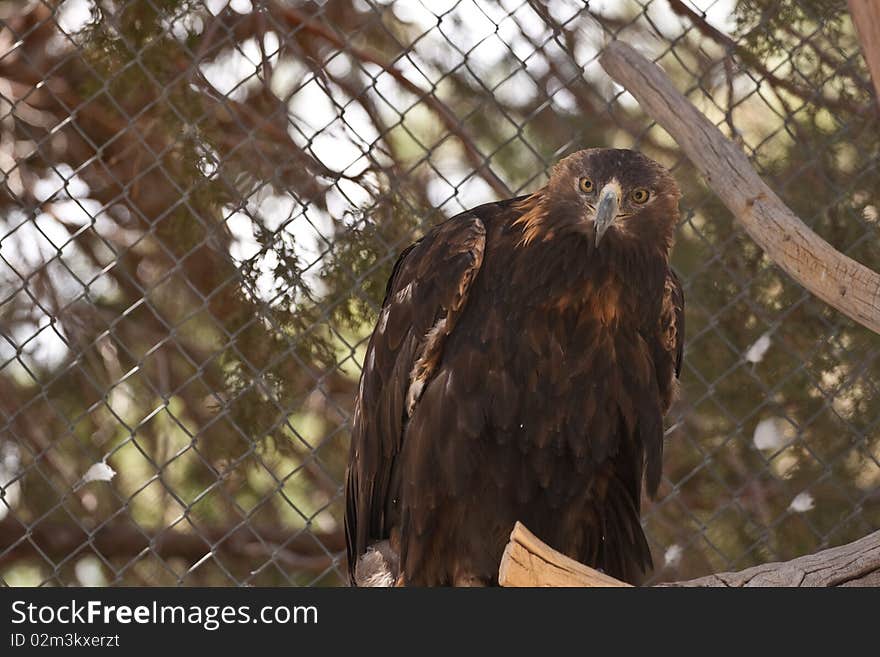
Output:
x=201 y=203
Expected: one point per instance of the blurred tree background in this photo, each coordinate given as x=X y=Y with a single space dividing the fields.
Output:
x=200 y=203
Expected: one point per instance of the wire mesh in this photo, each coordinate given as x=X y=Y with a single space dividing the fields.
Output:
x=201 y=203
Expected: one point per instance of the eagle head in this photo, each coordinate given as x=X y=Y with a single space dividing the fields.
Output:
x=615 y=198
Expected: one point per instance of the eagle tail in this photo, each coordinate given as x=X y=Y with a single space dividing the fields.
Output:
x=625 y=553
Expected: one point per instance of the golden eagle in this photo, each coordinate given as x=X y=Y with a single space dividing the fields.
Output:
x=524 y=357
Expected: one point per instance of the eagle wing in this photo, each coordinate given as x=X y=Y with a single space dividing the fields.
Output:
x=426 y=294
x=666 y=340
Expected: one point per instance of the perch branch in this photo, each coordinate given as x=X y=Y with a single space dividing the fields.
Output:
x=866 y=17
x=529 y=562
x=837 y=279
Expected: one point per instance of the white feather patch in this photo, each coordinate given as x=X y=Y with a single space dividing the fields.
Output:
x=99 y=471
x=383 y=321
x=406 y=293
x=373 y=569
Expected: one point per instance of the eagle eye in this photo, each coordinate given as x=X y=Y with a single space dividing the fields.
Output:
x=585 y=185
x=641 y=195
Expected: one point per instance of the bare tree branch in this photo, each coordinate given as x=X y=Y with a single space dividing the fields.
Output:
x=753 y=62
x=308 y=550
x=447 y=117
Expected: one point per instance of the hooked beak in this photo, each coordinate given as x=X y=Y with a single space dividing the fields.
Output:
x=606 y=211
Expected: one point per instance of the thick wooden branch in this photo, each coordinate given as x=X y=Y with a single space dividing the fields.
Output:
x=529 y=562
x=853 y=564
x=837 y=279
x=866 y=17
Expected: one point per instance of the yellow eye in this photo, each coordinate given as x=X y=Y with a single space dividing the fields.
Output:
x=586 y=185
x=641 y=196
